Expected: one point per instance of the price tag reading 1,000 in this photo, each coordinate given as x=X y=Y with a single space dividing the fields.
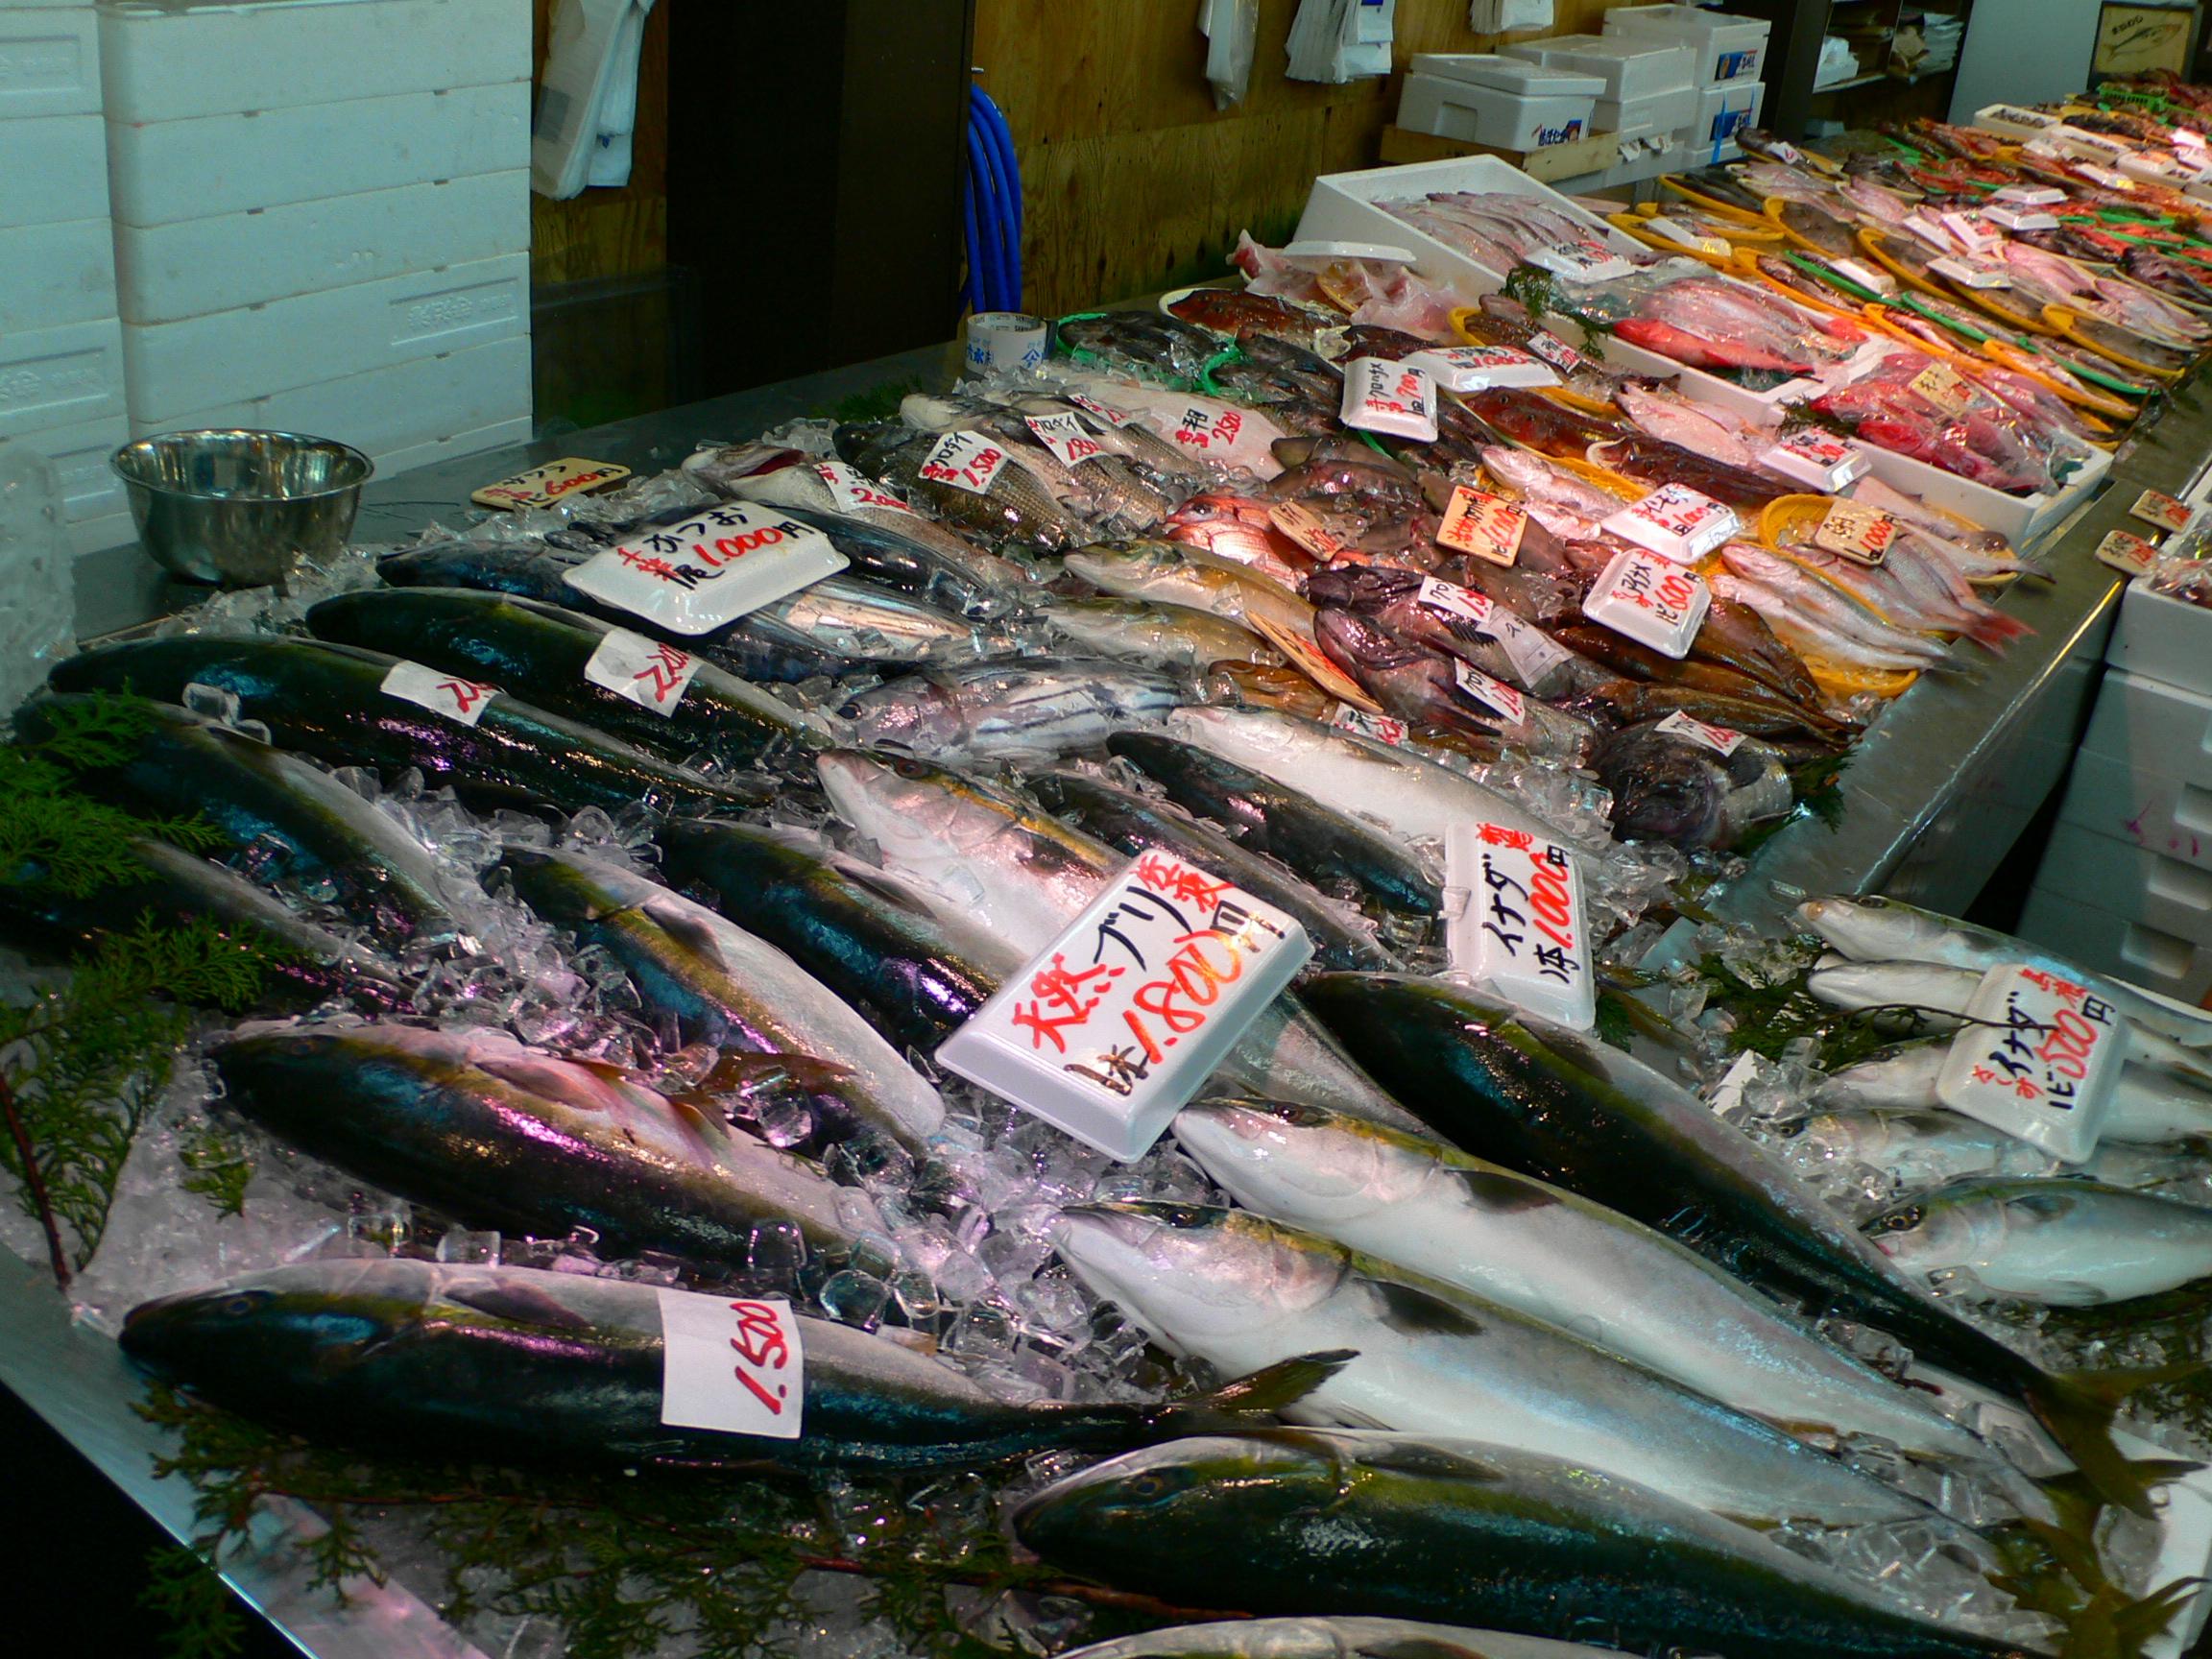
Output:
x=737 y=1367
x=700 y=572
x=1643 y=597
x=2037 y=1059
x=1521 y=926
x=1862 y=534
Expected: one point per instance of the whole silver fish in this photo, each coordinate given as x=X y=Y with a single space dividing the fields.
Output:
x=1927 y=1146
x=2066 y=1242
x=2145 y=1106
x=1321 y=1638
x=1162 y=635
x=1030 y=707
x=863 y=622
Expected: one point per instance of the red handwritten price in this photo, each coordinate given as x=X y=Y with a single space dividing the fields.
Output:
x=852 y=492
x=650 y=673
x=735 y=1367
x=964 y=460
x=447 y=694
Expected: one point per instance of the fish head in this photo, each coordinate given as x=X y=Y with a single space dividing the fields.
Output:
x=910 y=809
x=1206 y=1490
x=1303 y=1165
x=1840 y=1139
x=1354 y=641
x=1930 y=1232
x=914 y=711
x=1873 y=927
x=282 y=1327
x=1186 y=1272
x=1118 y=566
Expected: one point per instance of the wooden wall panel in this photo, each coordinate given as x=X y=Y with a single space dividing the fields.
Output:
x=612 y=233
x=1131 y=178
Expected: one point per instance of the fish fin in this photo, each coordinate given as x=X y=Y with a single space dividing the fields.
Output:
x=693 y=932
x=740 y=1073
x=518 y=1303
x=1267 y=1390
x=2058 y=1572
x=2078 y=1407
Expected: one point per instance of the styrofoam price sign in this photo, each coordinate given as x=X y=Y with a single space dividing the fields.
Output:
x=1862 y=534
x=2030 y=195
x=542 y=485
x=1531 y=652
x=1380 y=395
x=1684 y=236
x=1972 y=273
x=1585 y=261
x=1820 y=459
x=1553 y=350
x=1478 y=367
x=1975 y=237
x=1522 y=928
x=851 y=489
x=736 y=1365
x=701 y=572
x=448 y=694
x=1865 y=276
x=1122 y=1018
x=2158 y=508
x=2017 y=219
x=965 y=460
x=1676 y=521
x=2038 y=1060
x=1494 y=697
x=1069 y=439
x=1488 y=527
x=1382 y=728
x=2127 y=552
x=1722 y=741
x=1943 y=386
x=1652 y=600
x=650 y=673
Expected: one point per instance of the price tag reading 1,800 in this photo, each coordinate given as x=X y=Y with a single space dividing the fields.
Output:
x=1649 y=599
x=736 y=1365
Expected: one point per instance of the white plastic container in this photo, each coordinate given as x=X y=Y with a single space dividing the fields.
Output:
x=89 y=487
x=55 y=169
x=1668 y=111
x=1727 y=48
x=60 y=377
x=2147 y=726
x=2019 y=517
x=170 y=170
x=190 y=266
x=2129 y=880
x=475 y=442
x=55 y=273
x=49 y=61
x=1485 y=115
x=390 y=411
x=1515 y=75
x=1723 y=111
x=2135 y=951
x=1631 y=68
x=225 y=356
x=165 y=62
x=2162 y=639
x=2142 y=806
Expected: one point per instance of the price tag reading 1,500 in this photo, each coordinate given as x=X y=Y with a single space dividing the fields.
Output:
x=1643 y=597
x=737 y=1367
x=965 y=460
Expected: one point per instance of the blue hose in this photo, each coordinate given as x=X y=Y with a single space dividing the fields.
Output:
x=992 y=209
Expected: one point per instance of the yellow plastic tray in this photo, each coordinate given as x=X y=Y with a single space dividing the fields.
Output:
x=2078 y=393
x=2060 y=320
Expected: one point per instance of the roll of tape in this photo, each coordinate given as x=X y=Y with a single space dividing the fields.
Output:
x=1007 y=340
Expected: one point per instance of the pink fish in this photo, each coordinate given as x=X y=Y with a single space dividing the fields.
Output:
x=1700 y=352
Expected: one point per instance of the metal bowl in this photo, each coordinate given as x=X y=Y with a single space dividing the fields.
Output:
x=241 y=507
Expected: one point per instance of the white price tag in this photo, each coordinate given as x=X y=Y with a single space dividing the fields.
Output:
x=1858 y=533
x=1555 y=352
x=2031 y=195
x=965 y=460
x=1478 y=367
x=1527 y=647
x=440 y=692
x=1380 y=395
x=2158 y=508
x=542 y=485
x=1092 y=405
x=1110 y=1029
x=1643 y=597
x=1683 y=236
x=1943 y=386
x=1784 y=151
x=733 y=1364
x=1580 y=262
x=1977 y=239
x=1494 y=695
x=850 y=491
x=1522 y=929
x=1069 y=440
x=1971 y=274
x=1303 y=526
x=1382 y=728
x=1865 y=276
x=1820 y=459
x=2019 y=217
x=2126 y=552
x=1722 y=741
x=1210 y=428
x=1486 y=526
x=710 y=568
x=650 y=673
x=1676 y=521
x=2038 y=1060
x=1453 y=600
x=2184 y=138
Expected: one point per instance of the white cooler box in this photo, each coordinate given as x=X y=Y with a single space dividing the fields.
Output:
x=1727 y=48
x=49 y=63
x=1670 y=112
x=2127 y=881
x=56 y=170
x=1632 y=67
x=2139 y=953
x=60 y=377
x=1723 y=111
x=1505 y=102
x=2162 y=639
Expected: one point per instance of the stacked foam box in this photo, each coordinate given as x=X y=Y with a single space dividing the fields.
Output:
x=1648 y=98
x=61 y=347
x=2126 y=883
x=1729 y=56
x=323 y=218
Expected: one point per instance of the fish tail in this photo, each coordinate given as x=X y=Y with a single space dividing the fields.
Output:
x=1236 y=1403
x=2059 y=1571
x=2078 y=1407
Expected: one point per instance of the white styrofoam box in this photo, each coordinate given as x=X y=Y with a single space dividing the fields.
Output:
x=2104 y=942
x=395 y=408
x=163 y=171
x=224 y=356
x=1485 y=115
x=2146 y=725
x=53 y=274
x=1631 y=68
x=60 y=377
x=2163 y=638
x=109 y=530
x=2132 y=883
x=89 y=487
x=165 y=272
x=1668 y=111
x=1729 y=48
x=475 y=442
x=55 y=169
x=1723 y=111
x=49 y=60
x=1516 y=75
x=2140 y=805
x=167 y=61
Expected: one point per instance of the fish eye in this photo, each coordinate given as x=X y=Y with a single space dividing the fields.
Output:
x=1903 y=1221
x=1148 y=1486
x=908 y=768
x=235 y=1307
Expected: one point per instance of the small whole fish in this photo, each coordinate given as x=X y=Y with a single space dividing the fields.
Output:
x=1015 y=507
x=1177 y=573
x=1704 y=428
x=515 y=1362
x=1424 y=686
x=2066 y=1242
x=1671 y=788
x=843 y=620
x=1330 y=1639
x=1176 y=638
x=1030 y=707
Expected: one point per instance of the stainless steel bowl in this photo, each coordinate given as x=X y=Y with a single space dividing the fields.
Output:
x=241 y=507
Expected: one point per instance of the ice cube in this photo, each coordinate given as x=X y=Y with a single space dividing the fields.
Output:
x=854 y=1298
x=458 y=1244
x=774 y=1252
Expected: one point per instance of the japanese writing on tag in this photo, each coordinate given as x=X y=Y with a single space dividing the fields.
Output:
x=1555 y=352
x=1204 y=428
x=1683 y=236
x=2030 y=195
x=1382 y=728
x=1975 y=237
x=1305 y=656
x=650 y=673
x=1380 y=395
x=2037 y=1059
x=440 y=692
x=1477 y=367
x=1119 y=1021
x=1301 y=524
x=1818 y=458
x=1941 y=385
x=1584 y=261
x=1484 y=525
x=1529 y=650
x=542 y=485
x=1677 y=521
x=2126 y=552
x=1494 y=695
x=738 y=1367
x=2019 y=217
x=1721 y=739
x=1972 y=273
x=1522 y=927
x=710 y=568
x=1453 y=600
x=1858 y=533
x=1643 y=597
x=2153 y=507
x=1865 y=276
x=1069 y=439
x=1092 y=405
x=965 y=460
x=850 y=491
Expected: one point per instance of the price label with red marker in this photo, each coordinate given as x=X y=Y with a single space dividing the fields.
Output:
x=1477 y=367
x=2155 y=507
x=1643 y=597
x=1820 y=459
x=966 y=460
x=1721 y=739
x=1067 y=437
x=1399 y=398
x=2038 y=1060
x=1522 y=926
x=650 y=673
x=1555 y=352
x=554 y=481
x=851 y=489
x=1943 y=386
x=1303 y=526
x=1486 y=526
x=1494 y=697
x=1677 y=521
x=451 y=695
x=694 y=575
x=2127 y=552
x=1858 y=533
x=733 y=1364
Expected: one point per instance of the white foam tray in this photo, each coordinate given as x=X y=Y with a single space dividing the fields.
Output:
x=191 y=266
x=2127 y=881
x=2019 y=517
x=390 y=410
x=164 y=171
x=56 y=170
x=2162 y=639
x=228 y=356
x=55 y=273
x=165 y=62
x=2108 y=944
x=49 y=61
x=60 y=377
x=89 y=487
